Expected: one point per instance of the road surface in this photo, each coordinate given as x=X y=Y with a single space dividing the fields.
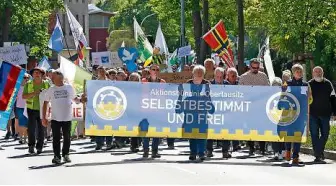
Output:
x=119 y=166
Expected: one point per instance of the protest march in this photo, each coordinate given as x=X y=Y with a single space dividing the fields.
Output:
x=145 y=99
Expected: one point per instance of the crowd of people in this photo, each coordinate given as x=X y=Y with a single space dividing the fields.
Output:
x=42 y=90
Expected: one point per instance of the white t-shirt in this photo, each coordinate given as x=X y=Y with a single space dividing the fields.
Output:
x=60 y=98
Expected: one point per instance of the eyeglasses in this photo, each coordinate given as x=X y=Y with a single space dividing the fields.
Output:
x=156 y=69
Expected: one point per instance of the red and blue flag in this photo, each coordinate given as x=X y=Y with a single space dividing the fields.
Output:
x=10 y=77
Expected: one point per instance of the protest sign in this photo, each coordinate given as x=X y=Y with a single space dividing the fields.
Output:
x=14 y=54
x=77 y=111
x=184 y=51
x=258 y=113
x=182 y=77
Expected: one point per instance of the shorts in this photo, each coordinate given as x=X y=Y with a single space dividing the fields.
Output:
x=23 y=121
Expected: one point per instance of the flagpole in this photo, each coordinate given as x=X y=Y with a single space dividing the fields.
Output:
x=64 y=36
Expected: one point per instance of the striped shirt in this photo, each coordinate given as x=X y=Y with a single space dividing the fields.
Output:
x=249 y=78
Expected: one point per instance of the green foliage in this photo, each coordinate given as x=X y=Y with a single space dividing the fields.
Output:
x=118 y=36
x=29 y=22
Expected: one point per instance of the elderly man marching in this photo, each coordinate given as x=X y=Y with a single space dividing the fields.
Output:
x=321 y=109
x=60 y=96
x=256 y=78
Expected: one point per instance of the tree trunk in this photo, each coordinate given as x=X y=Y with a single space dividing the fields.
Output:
x=197 y=23
x=241 y=35
x=205 y=50
x=6 y=24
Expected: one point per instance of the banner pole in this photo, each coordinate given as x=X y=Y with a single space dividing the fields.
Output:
x=84 y=104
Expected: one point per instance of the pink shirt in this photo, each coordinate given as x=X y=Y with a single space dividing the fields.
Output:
x=20 y=103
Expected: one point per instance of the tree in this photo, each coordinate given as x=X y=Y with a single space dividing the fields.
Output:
x=26 y=21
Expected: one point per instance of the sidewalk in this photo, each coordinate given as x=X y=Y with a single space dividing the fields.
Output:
x=327 y=154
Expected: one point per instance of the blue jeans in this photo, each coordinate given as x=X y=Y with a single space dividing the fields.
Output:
x=296 y=148
x=100 y=140
x=155 y=143
x=197 y=147
x=170 y=141
x=319 y=130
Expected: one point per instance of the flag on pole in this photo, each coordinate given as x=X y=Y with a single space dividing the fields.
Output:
x=55 y=41
x=44 y=64
x=145 y=49
x=10 y=76
x=218 y=41
x=73 y=74
x=268 y=61
x=78 y=35
x=122 y=44
x=161 y=42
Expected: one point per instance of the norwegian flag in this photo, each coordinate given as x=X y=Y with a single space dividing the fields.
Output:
x=218 y=41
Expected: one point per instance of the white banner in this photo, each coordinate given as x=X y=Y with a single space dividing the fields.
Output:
x=106 y=59
x=14 y=54
x=77 y=111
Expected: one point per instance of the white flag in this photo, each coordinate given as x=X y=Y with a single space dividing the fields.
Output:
x=76 y=29
x=161 y=42
x=122 y=44
x=268 y=61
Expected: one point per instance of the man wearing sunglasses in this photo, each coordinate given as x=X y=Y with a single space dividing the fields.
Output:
x=154 y=72
x=255 y=77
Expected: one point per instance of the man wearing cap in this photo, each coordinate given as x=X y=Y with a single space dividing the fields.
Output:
x=31 y=93
x=255 y=78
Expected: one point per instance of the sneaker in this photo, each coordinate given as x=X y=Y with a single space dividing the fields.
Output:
x=66 y=159
x=192 y=158
x=31 y=150
x=280 y=156
x=202 y=158
x=210 y=154
x=21 y=140
x=38 y=151
x=8 y=134
x=171 y=147
x=49 y=138
x=146 y=153
x=276 y=156
x=16 y=137
x=288 y=155
x=322 y=156
x=296 y=161
x=109 y=147
x=155 y=154
x=98 y=147
x=226 y=155
x=251 y=152
x=56 y=160
x=134 y=150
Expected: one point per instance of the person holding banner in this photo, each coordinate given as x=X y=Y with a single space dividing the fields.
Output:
x=197 y=146
x=153 y=77
x=31 y=94
x=219 y=75
x=60 y=96
x=101 y=72
x=135 y=140
x=255 y=78
x=297 y=80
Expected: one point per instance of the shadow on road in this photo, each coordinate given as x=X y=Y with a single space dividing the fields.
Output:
x=45 y=166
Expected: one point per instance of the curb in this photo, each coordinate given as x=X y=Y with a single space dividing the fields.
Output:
x=327 y=154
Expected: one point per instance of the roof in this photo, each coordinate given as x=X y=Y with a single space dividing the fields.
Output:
x=93 y=9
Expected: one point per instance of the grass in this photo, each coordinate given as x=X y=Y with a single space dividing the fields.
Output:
x=331 y=143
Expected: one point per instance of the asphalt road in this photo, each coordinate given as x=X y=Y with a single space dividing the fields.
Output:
x=119 y=166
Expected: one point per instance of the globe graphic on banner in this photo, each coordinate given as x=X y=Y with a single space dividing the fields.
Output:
x=283 y=108
x=109 y=103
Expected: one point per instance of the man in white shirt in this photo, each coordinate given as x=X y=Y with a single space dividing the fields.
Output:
x=60 y=97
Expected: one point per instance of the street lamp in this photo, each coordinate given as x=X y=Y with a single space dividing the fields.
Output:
x=146 y=18
x=97 y=43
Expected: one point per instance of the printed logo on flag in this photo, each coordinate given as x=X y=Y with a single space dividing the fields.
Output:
x=109 y=103
x=105 y=59
x=283 y=108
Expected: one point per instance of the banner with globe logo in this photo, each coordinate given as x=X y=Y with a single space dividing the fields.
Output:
x=196 y=111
